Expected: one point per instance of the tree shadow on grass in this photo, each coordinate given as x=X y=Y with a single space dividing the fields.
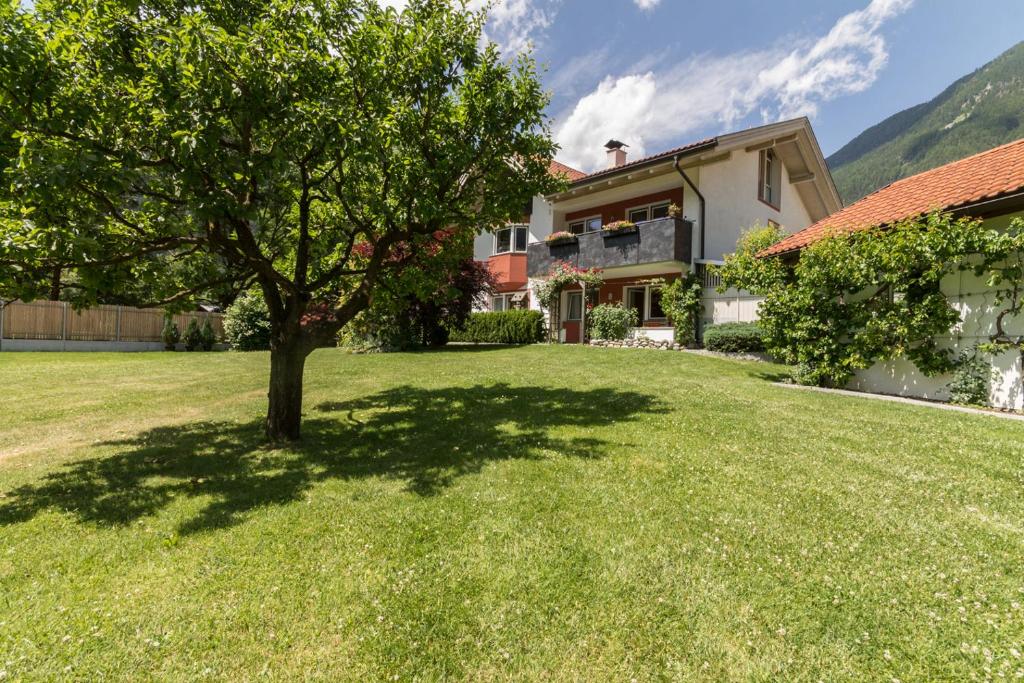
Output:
x=426 y=438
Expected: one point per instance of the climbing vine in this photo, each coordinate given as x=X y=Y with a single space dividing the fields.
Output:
x=682 y=302
x=854 y=299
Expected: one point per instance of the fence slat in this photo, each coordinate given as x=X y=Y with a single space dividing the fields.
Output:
x=54 y=320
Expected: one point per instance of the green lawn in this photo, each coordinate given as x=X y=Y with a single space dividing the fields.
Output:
x=546 y=513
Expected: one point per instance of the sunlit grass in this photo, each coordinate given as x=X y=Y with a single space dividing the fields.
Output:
x=541 y=513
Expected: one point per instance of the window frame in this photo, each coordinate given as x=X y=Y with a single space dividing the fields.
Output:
x=585 y=222
x=768 y=173
x=649 y=208
x=512 y=230
x=646 y=312
x=568 y=306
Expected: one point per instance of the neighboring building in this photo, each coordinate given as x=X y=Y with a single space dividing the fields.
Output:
x=988 y=186
x=722 y=186
x=504 y=250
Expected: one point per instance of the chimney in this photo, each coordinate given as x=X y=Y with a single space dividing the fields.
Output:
x=616 y=153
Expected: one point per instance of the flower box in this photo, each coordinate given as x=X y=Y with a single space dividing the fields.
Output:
x=562 y=237
x=619 y=228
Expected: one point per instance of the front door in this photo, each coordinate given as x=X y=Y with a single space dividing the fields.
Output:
x=573 y=317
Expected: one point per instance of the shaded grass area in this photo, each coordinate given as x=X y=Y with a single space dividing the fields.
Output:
x=541 y=513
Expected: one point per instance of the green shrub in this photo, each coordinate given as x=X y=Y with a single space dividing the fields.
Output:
x=611 y=321
x=734 y=338
x=193 y=338
x=502 y=327
x=971 y=382
x=247 y=323
x=207 y=336
x=170 y=335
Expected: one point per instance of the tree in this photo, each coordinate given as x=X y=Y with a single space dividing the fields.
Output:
x=322 y=150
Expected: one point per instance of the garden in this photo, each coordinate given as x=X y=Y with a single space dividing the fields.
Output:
x=471 y=514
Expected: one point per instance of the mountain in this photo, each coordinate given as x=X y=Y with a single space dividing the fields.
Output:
x=980 y=111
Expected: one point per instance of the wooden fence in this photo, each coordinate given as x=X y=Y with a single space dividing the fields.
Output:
x=59 y=321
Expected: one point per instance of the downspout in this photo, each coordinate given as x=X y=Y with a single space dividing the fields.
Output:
x=700 y=198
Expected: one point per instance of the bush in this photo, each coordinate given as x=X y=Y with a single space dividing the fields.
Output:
x=207 y=336
x=734 y=338
x=247 y=323
x=193 y=337
x=608 y=321
x=971 y=382
x=170 y=335
x=502 y=327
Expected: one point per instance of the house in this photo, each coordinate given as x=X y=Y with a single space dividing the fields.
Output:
x=690 y=205
x=504 y=250
x=987 y=186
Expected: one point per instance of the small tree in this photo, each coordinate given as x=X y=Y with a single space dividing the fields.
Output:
x=247 y=323
x=170 y=335
x=611 y=321
x=323 y=151
x=193 y=338
x=683 y=300
x=207 y=336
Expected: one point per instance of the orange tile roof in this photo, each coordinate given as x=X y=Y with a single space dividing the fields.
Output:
x=987 y=175
x=557 y=168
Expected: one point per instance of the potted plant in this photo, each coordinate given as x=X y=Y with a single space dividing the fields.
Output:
x=619 y=228
x=560 y=237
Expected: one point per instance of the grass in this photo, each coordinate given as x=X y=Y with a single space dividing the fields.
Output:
x=542 y=513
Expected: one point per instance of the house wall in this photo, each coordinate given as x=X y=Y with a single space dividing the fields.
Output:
x=730 y=188
x=975 y=302
x=616 y=211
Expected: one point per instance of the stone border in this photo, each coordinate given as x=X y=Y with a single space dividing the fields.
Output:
x=909 y=401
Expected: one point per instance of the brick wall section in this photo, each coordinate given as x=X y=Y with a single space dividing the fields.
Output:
x=617 y=210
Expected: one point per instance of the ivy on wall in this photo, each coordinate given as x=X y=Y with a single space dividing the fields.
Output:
x=854 y=299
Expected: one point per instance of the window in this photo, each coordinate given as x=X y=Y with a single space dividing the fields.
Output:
x=635 y=299
x=503 y=239
x=509 y=302
x=769 y=179
x=648 y=213
x=646 y=301
x=591 y=224
x=575 y=306
x=522 y=237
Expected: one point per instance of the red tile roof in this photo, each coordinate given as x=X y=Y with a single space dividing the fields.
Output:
x=988 y=175
x=557 y=168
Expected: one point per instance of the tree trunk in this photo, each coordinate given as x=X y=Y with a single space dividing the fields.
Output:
x=55 y=283
x=287 y=363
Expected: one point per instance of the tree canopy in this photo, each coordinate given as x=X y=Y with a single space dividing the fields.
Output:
x=324 y=151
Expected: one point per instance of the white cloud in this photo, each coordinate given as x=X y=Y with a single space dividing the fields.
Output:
x=512 y=24
x=709 y=91
x=647 y=4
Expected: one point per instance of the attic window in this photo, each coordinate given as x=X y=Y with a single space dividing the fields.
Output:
x=769 y=179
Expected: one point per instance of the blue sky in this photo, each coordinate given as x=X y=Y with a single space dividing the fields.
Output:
x=659 y=73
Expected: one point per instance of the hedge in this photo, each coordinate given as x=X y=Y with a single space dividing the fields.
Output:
x=502 y=327
x=734 y=338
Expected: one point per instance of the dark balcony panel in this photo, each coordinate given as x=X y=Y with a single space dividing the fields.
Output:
x=664 y=239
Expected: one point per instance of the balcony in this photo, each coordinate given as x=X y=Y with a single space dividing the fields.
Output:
x=662 y=239
x=509 y=271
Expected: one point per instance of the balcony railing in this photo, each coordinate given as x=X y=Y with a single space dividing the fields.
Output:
x=662 y=239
